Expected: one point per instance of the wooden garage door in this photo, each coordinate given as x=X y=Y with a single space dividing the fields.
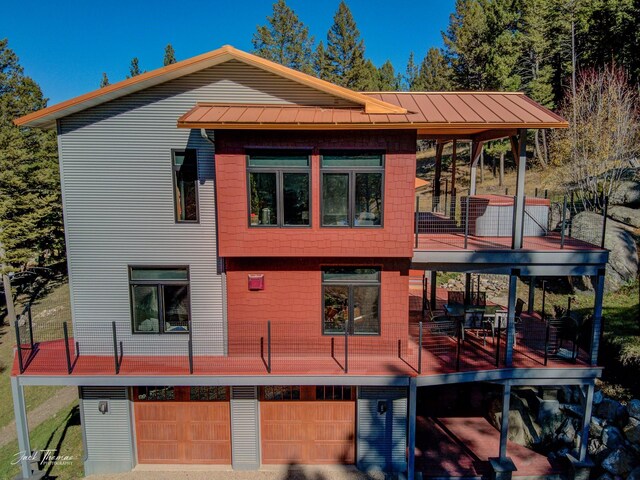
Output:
x=308 y=432
x=179 y=430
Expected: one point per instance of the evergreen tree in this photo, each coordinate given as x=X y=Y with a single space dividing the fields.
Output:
x=134 y=68
x=388 y=81
x=411 y=73
x=434 y=74
x=320 y=65
x=105 y=80
x=370 y=81
x=345 y=52
x=169 y=55
x=284 y=39
x=31 y=229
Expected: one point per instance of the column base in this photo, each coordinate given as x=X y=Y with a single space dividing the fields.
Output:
x=579 y=470
x=502 y=469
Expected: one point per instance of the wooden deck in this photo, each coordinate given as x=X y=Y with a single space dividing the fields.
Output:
x=455 y=241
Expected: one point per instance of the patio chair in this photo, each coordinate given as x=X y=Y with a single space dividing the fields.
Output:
x=455 y=297
x=479 y=299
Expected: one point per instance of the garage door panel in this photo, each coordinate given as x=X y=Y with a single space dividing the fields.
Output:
x=157 y=432
x=203 y=452
x=157 y=452
x=157 y=412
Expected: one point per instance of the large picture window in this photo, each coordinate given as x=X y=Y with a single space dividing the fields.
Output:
x=185 y=185
x=160 y=300
x=351 y=301
x=352 y=189
x=279 y=189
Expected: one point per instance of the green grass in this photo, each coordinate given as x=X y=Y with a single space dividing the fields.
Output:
x=61 y=432
x=48 y=314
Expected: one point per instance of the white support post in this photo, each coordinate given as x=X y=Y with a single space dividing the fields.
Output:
x=596 y=330
x=475 y=151
x=411 y=440
x=22 y=427
x=521 y=160
x=511 y=320
x=504 y=425
x=586 y=423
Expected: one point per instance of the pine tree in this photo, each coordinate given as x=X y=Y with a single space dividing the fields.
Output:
x=388 y=81
x=105 y=80
x=411 y=73
x=169 y=55
x=434 y=74
x=370 y=81
x=284 y=39
x=345 y=52
x=134 y=68
x=320 y=66
x=31 y=229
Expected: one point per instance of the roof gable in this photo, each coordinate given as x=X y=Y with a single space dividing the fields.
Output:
x=47 y=116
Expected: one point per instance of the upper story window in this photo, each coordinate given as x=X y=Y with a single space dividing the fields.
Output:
x=351 y=300
x=185 y=185
x=279 y=188
x=160 y=299
x=352 y=189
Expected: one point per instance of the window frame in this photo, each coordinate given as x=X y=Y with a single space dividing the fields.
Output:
x=352 y=171
x=139 y=391
x=174 y=172
x=350 y=284
x=159 y=285
x=279 y=173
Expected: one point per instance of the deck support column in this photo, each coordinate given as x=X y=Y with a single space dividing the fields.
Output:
x=532 y=294
x=580 y=464
x=22 y=427
x=454 y=158
x=519 y=148
x=437 y=191
x=467 y=289
x=596 y=329
x=502 y=466
x=475 y=153
x=433 y=293
x=511 y=316
x=411 y=440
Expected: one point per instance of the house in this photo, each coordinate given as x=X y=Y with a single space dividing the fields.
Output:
x=241 y=242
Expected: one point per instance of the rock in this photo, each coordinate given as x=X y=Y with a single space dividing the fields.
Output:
x=567 y=432
x=612 y=437
x=635 y=474
x=572 y=409
x=595 y=427
x=623 y=259
x=546 y=409
x=632 y=430
x=612 y=411
x=606 y=476
x=634 y=408
x=627 y=194
x=598 y=396
x=626 y=215
x=618 y=462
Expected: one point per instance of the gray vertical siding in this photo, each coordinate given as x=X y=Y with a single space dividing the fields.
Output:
x=382 y=437
x=118 y=201
x=245 y=428
x=107 y=437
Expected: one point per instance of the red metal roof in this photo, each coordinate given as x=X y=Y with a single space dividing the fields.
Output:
x=471 y=112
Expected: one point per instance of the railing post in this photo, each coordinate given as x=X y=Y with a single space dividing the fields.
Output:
x=569 y=306
x=19 y=346
x=419 y=347
x=605 y=208
x=459 y=347
x=66 y=346
x=417 y=216
x=544 y=299
x=498 y=344
x=546 y=344
x=446 y=194
x=30 y=326
x=268 y=346
x=77 y=349
x=536 y=193
x=466 y=220
x=346 y=346
x=333 y=347
x=190 y=346
x=564 y=221
x=115 y=348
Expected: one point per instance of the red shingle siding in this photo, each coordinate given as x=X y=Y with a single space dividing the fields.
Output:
x=237 y=239
x=292 y=300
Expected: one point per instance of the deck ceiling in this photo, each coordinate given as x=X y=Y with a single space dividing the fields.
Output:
x=436 y=115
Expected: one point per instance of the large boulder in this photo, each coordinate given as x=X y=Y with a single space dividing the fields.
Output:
x=626 y=215
x=627 y=193
x=634 y=408
x=566 y=433
x=596 y=427
x=612 y=411
x=619 y=462
x=632 y=430
x=612 y=437
x=623 y=259
x=635 y=474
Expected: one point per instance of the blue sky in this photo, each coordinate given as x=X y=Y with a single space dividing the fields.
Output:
x=65 y=46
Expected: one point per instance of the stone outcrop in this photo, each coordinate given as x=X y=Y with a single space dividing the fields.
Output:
x=628 y=216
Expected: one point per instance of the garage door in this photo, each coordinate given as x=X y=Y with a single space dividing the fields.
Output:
x=308 y=431
x=183 y=425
